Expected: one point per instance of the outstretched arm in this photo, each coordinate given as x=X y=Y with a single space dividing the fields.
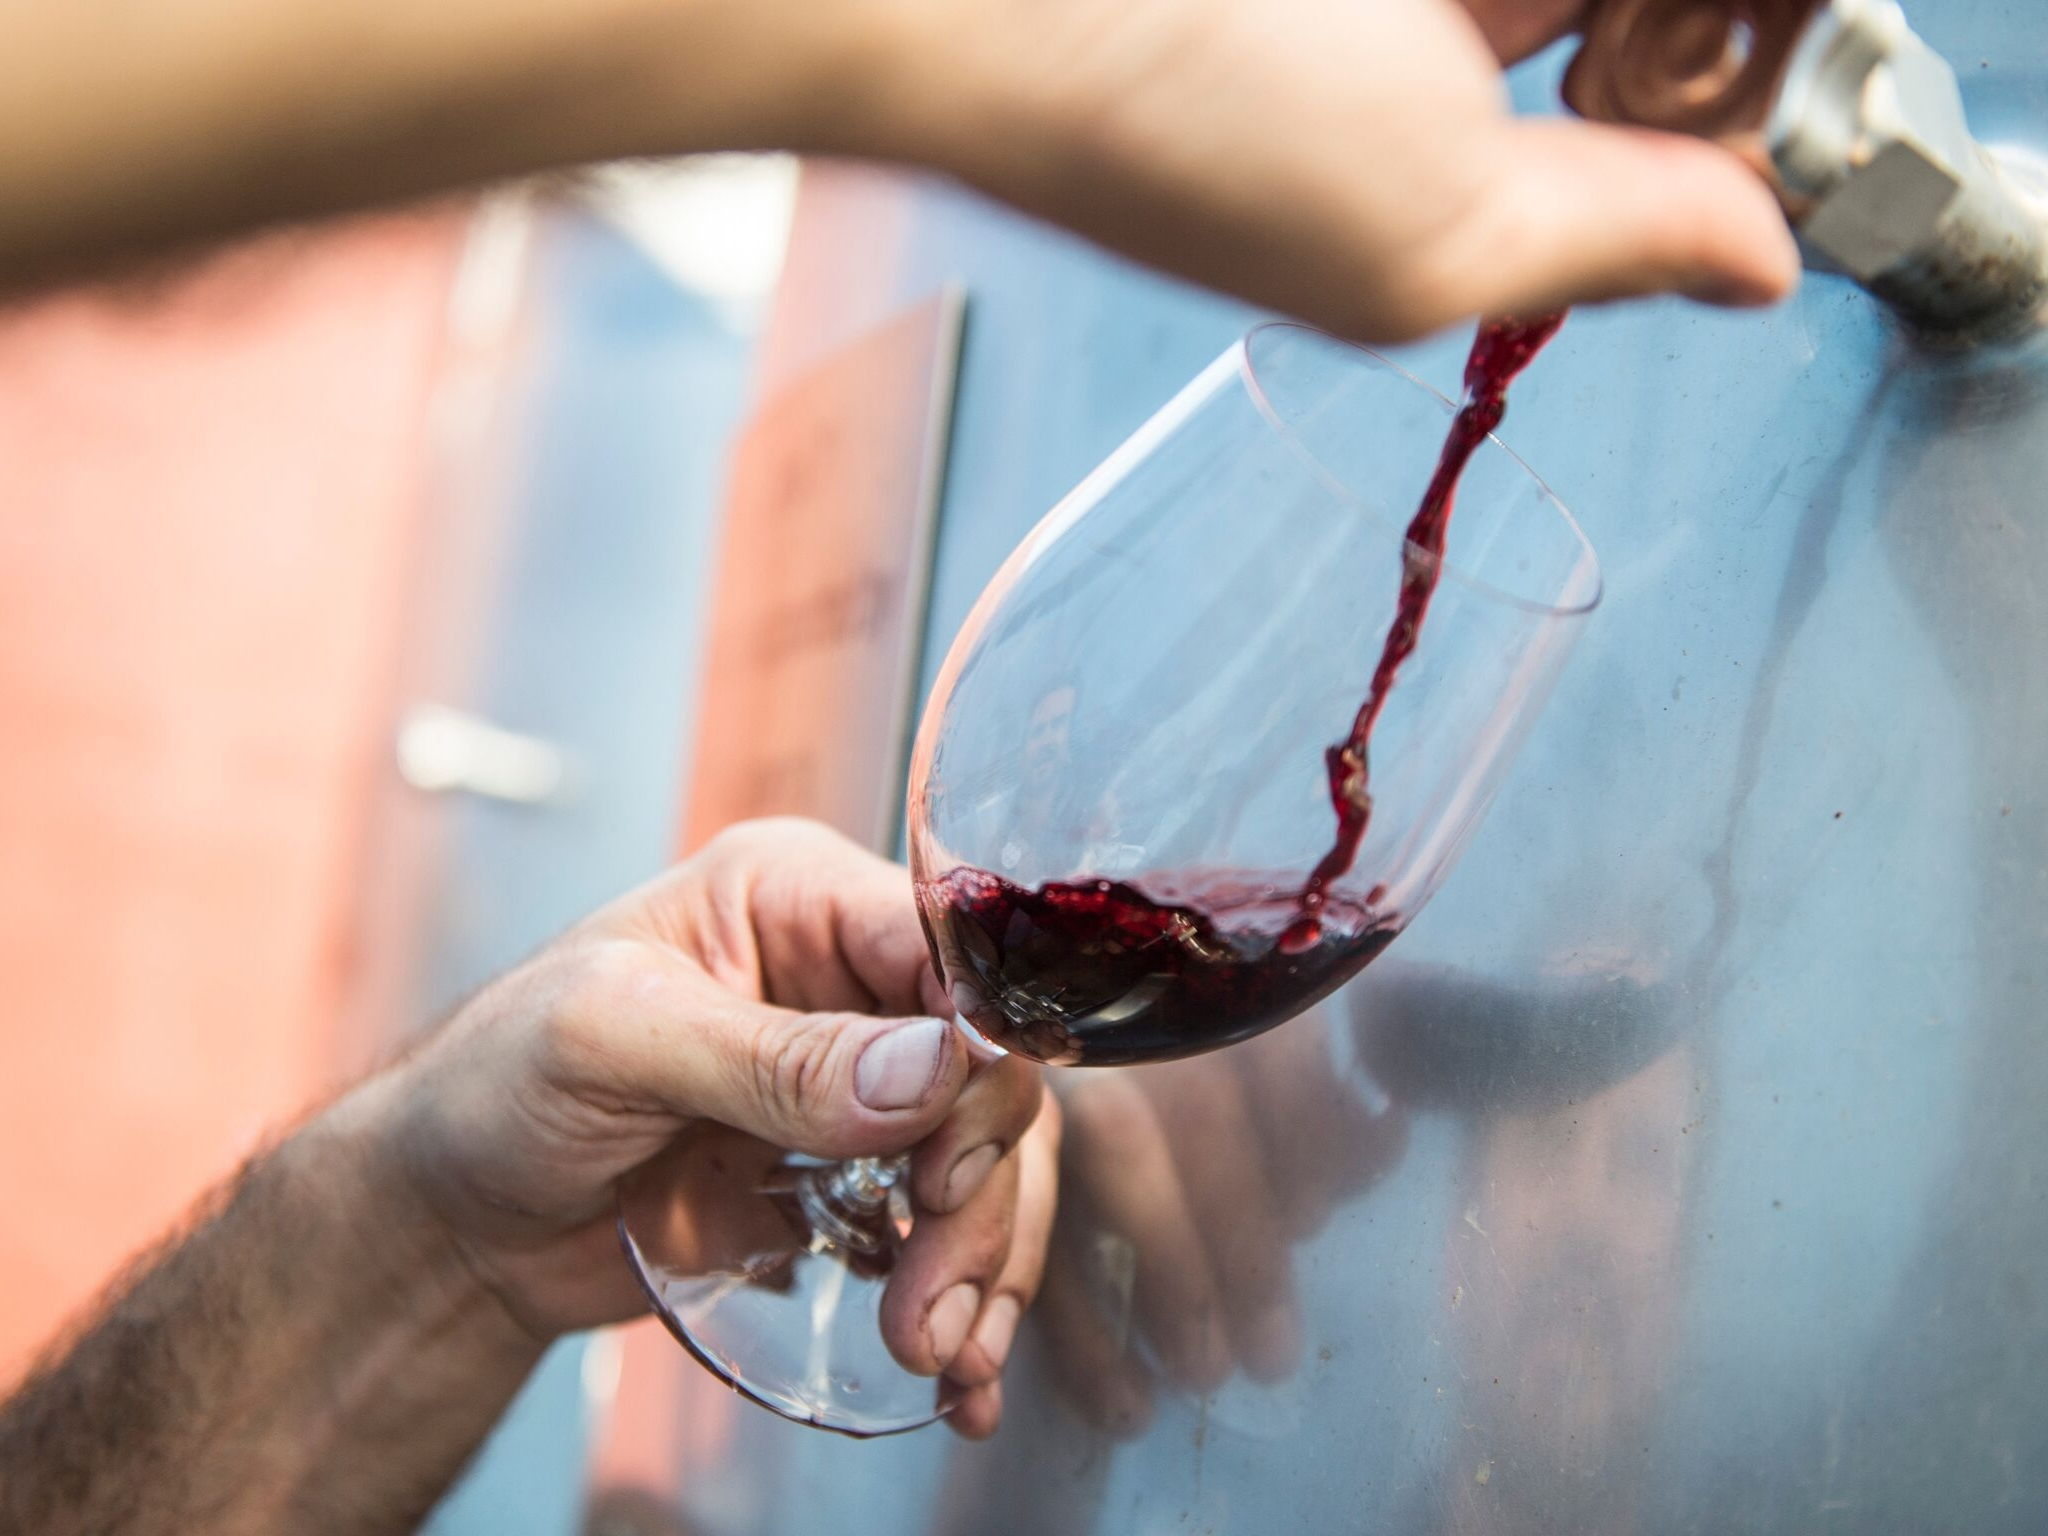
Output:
x=1353 y=164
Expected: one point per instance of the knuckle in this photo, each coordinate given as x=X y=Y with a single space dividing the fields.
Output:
x=585 y=1000
x=600 y=980
x=559 y=1047
x=793 y=1064
x=749 y=839
x=734 y=846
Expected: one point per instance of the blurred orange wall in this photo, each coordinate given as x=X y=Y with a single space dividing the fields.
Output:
x=208 y=492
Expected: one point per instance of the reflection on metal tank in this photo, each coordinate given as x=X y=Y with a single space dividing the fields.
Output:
x=1682 y=1169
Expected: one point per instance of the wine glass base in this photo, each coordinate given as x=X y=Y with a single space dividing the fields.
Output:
x=803 y=1340
x=771 y=1271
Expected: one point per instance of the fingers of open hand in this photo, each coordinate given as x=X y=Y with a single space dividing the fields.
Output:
x=1235 y=1208
x=1326 y=1134
x=1087 y=1343
x=1125 y=1169
x=1187 y=1185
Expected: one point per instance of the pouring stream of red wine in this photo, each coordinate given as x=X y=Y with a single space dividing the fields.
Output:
x=1100 y=972
x=1502 y=349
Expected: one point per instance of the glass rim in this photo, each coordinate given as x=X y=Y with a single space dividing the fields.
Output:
x=1255 y=388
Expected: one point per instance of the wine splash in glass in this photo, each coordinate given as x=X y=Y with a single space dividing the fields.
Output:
x=1123 y=786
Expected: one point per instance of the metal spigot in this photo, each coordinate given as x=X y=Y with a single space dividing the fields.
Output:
x=1859 y=126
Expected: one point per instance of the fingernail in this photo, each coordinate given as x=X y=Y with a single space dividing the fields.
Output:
x=950 y=1318
x=998 y=1330
x=899 y=1069
x=970 y=1171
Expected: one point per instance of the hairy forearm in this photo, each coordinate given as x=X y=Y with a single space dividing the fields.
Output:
x=311 y=1357
x=132 y=126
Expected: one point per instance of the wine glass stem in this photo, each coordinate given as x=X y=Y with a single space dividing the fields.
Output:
x=848 y=1203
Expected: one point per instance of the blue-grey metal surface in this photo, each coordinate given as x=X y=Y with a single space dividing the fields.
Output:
x=1724 y=1192
x=612 y=454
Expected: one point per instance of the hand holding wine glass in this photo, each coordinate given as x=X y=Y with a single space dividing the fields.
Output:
x=771 y=992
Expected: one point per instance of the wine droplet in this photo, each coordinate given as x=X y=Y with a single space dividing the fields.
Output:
x=1302 y=935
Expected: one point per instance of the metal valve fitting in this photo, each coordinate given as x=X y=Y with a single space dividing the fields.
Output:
x=1857 y=124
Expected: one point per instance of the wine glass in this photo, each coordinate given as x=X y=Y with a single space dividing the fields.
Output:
x=1125 y=774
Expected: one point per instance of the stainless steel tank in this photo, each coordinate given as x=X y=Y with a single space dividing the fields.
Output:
x=1683 y=1168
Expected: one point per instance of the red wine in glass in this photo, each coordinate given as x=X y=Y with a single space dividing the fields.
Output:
x=1102 y=973
x=1099 y=973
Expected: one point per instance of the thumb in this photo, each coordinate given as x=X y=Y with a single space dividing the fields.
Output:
x=826 y=1084
x=1581 y=212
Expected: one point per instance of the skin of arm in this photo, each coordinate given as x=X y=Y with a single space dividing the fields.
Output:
x=330 y=1341
x=311 y=1356
x=1351 y=164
